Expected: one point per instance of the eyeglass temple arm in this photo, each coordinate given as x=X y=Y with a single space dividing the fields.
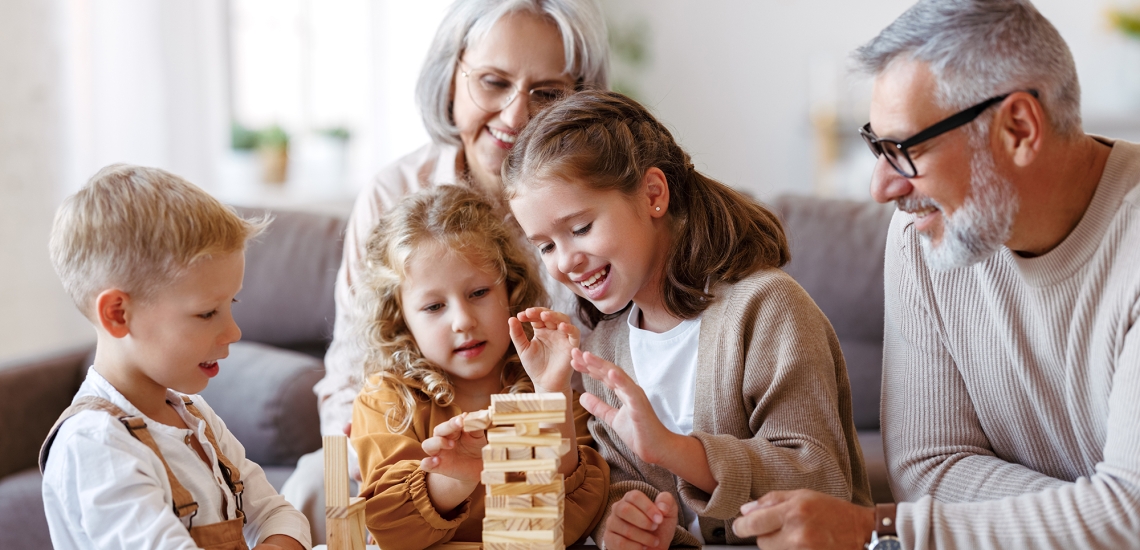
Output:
x=957 y=120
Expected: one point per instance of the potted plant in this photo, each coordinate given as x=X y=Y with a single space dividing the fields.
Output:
x=273 y=151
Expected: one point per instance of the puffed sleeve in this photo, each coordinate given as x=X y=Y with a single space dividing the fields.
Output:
x=587 y=488
x=398 y=512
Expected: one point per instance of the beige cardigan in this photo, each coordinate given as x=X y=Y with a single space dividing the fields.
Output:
x=773 y=406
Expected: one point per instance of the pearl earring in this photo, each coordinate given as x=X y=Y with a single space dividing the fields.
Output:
x=658 y=208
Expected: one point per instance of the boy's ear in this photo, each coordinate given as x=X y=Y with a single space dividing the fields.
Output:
x=656 y=189
x=111 y=311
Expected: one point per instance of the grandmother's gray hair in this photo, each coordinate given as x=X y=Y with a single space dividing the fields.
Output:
x=978 y=49
x=584 y=40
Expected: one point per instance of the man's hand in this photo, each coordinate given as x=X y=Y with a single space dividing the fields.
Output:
x=453 y=452
x=546 y=357
x=634 y=422
x=805 y=519
x=637 y=523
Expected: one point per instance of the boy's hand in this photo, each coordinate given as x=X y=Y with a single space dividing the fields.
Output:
x=634 y=422
x=453 y=452
x=546 y=357
x=637 y=523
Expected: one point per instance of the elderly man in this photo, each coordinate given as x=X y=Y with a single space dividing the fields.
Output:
x=1011 y=383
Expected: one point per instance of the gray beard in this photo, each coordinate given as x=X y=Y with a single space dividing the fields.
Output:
x=981 y=226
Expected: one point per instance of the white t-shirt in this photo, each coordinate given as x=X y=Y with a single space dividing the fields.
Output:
x=665 y=364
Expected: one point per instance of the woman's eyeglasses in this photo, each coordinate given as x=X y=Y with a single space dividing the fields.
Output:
x=493 y=92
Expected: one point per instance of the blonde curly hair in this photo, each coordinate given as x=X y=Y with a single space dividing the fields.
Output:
x=464 y=221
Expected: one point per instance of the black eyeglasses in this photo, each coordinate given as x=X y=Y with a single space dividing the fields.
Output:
x=896 y=151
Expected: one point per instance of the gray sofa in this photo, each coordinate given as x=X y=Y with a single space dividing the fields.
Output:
x=264 y=389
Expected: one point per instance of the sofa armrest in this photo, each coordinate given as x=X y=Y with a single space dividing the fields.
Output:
x=265 y=396
x=33 y=393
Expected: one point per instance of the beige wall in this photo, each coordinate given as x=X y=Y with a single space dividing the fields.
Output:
x=35 y=315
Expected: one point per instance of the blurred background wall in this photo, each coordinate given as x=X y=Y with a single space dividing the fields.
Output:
x=757 y=90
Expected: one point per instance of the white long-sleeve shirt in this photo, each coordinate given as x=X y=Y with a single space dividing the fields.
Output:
x=1011 y=388
x=105 y=489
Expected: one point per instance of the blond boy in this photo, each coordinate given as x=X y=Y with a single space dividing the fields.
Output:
x=154 y=263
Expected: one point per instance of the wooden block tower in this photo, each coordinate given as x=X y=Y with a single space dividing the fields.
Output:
x=344 y=516
x=525 y=492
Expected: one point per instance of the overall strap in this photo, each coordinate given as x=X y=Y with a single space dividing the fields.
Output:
x=233 y=475
x=184 y=504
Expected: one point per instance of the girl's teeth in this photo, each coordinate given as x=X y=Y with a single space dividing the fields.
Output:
x=595 y=278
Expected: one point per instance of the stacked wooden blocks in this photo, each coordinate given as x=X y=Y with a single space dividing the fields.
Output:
x=525 y=492
x=344 y=516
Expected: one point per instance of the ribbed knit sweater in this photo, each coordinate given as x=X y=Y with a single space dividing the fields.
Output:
x=1011 y=388
x=773 y=407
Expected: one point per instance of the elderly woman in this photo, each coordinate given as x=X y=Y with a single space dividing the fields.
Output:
x=491 y=66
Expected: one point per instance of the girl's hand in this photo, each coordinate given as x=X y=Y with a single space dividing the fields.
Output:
x=634 y=422
x=637 y=523
x=453 y=452
x=546 y=357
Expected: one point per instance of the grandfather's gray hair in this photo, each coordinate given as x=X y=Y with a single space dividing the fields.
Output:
x=584 y=40
x=978 y=49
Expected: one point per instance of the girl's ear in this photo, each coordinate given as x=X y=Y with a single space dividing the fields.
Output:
x=111 y=312
x=656 y=189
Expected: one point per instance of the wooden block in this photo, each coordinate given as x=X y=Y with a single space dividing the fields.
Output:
x=513 y=524
x=521 y=466
x=553 y=452
x=527 y=428
x=525 y=488
x=355 y=506
x=508 y=501
x=500 y=419
x=531 y=513
x=520 y=546
x=550 y=524
x=494 y=453
x=547 y=437
x=492 y=478
x=521 y=402
x=477 y=421
x=336 y=470
x=540 y=477
x=547 y=499
x=519 y=452
x=451 y=545
x=524 y=537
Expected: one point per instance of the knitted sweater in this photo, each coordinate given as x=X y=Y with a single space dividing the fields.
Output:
x=1011 y=389
x=773 y=406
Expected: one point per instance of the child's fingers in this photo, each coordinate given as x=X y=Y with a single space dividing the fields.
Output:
x=626 y=389
x=429 y=464
x=636 y=508
x=628 y=534
x=450 y=429
x=518 y=335
x=572 y=333
x=434 y=445
x=600 y=409
x=666 y=504
x=615 y=541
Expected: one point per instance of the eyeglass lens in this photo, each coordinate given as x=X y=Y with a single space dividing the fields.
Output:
x=896 y=157
x=493 y=93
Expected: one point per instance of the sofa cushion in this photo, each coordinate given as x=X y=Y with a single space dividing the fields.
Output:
x=23 y=523
x=287 y=299
x=265 y=396
x=33 y=393
x=837 y=251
